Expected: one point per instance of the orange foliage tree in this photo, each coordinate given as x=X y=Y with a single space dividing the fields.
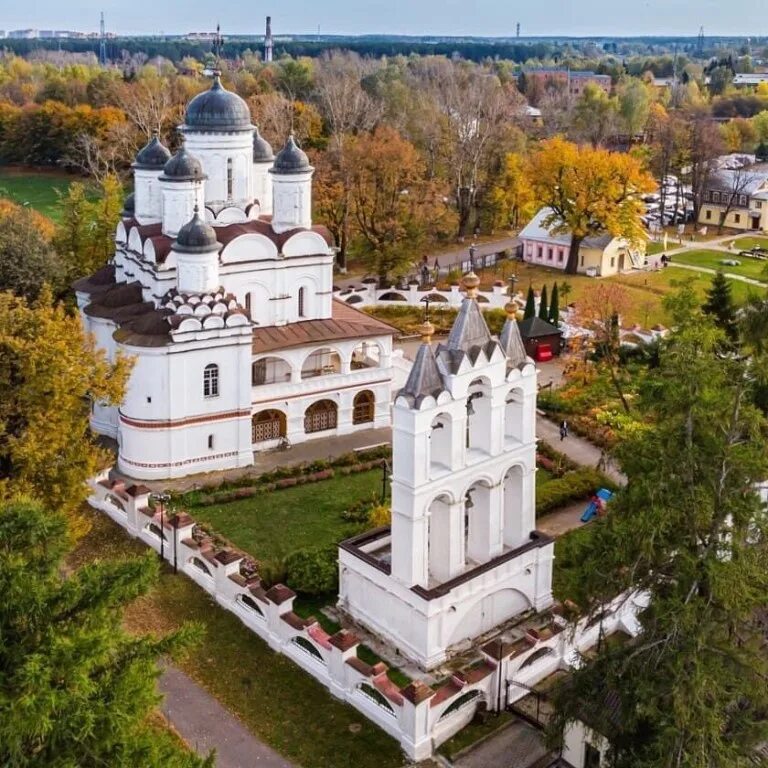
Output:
x=589 y=191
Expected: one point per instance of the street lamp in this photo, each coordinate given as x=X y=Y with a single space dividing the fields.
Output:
x=512 y=279
x=386 y=470
x=162 y=499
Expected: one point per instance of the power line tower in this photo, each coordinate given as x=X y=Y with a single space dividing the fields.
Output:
x=102 y=42
x=268 y=46
x=700 y=42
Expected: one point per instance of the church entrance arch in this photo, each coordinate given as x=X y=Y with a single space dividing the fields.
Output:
x=321 y=416
x=488 y=612
x=267 y=425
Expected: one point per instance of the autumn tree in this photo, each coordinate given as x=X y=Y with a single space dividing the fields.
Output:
x=634 y=106
x=589 y=192
x=85 y=237
x=27 y=259
x=599 y=309
x=510 y=201
x=75 y=688
x=595 y=115
x=690 y=531
x=50 y=373
x=395 y=208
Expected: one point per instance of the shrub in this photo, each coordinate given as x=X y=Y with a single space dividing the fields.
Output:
x=359 y=511
x=580 y=484
x=379 y=516
x=271 y=572
x=287 y=482
x=313 y=571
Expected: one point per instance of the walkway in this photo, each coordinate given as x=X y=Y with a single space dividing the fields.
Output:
x=517 y=745
x=205 y=725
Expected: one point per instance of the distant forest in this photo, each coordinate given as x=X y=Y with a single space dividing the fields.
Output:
x=473 y=49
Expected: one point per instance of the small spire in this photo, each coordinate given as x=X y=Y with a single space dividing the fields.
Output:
x=471 y=282
x=196 y=209
x=427 y=330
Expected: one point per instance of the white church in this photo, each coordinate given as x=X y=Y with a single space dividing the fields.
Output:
x=221 y=291
x=462 y=555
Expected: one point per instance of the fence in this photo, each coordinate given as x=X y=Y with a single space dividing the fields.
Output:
x=414 y=295
x=418 y=716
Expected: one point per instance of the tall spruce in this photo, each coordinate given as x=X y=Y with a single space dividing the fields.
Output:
x=719 y=304
x=690 y=532
x=75 y=688
x=543 y=308
x=530 y=304
x=554 y=306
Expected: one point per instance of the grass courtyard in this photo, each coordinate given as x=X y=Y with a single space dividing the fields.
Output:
x=745 y=243
x=271 y=525
x=753 y=268
x=38 y=189
x=282 y=705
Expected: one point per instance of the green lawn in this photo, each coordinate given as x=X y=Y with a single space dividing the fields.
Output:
x=38 y=189
x=753 y=268
x=745 y=243
x=653 y=247
x=282 y=705
x=272 y=525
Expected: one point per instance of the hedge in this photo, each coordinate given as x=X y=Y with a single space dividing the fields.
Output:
x=579 y=484
x=313 y=571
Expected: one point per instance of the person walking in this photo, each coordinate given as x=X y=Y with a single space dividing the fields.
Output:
x=563 y=430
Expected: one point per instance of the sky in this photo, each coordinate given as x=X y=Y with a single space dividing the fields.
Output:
x=412 y=17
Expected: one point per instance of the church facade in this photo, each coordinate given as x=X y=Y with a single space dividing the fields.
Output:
x=221 y=291
x=462 y=555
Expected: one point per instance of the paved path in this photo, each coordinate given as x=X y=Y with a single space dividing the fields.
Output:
x=575 y=448
x=205 y=725
x=517 y=745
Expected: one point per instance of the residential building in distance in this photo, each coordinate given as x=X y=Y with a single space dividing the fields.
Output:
x=565 y=79
x=752 y=79
x=598 y=256
x=737 y=198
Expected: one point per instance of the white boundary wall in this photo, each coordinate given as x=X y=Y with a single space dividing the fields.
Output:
x=419 y=717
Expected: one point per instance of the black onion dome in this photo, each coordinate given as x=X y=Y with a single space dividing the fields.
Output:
x=154 y=155
x=217 y=110
x=196 y=235
x=183 y=166
x=291 y=159
x=129 y=206
x=262 y=149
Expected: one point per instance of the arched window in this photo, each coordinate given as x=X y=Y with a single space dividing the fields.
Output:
x=363 y=407
x=211 y=380
x=461 y=702
x=302 y=294
x=308 y=648
x=229 y=178
x=320 y=416
x=250 y=603
x=267 y=425
x=270 y=370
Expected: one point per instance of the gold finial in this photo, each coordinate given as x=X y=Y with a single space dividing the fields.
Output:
x=471 y=282
x=511 y=309
x=427 y=330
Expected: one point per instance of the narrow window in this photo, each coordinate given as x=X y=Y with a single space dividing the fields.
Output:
x=613 y=261
x=737 y=218
x=229 y=178
x=301 y=301
x=581 y=263
x=210 y=442
x=248 y=305
x=708 y=215
x=211 y=380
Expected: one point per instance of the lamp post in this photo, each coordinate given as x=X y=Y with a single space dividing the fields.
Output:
x=512 y=279
x=426 y=308
x=162 y=499
x=385 y=471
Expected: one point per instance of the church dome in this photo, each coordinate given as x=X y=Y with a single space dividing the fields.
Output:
x=196 y=235
x=217 y=110
x=291 y=159
x=154 y=155
x=262 y=149
x=183 y=166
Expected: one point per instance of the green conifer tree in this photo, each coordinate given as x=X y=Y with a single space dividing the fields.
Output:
x=719 y=305
x=543 y=308
x=75 y=688
x=530 y=304
x=554 y=306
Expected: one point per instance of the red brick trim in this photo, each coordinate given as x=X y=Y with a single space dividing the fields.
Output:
x=173 y=423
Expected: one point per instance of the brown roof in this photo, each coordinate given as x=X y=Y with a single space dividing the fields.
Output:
x=263 y=226
x=279 y=593
x=345 y=322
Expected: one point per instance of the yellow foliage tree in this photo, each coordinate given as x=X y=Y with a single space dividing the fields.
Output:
x=510 y=201
x=589 y=191
x=50 y=373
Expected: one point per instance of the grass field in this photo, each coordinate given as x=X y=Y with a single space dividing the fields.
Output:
x=282 y=705
x=753 y=268
x=272 y=525
x=745 y=243
x=38 y=189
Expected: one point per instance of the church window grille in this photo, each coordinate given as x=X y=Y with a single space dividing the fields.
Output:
x=267 y=425
x=211 y=380
x=363 y=407
x=320 y=416
x=210 y=442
